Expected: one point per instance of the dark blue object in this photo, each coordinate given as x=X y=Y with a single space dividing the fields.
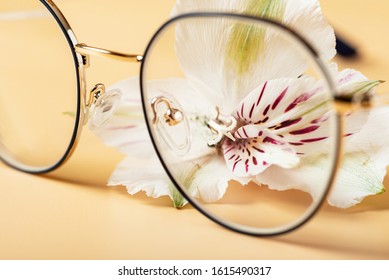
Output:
x=345 y=49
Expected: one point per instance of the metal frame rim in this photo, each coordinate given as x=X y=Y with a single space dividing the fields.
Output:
x=232 y=226
x=79 y=75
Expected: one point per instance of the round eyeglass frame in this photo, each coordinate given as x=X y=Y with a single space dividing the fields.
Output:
x=338 y=126
x=82 y=112
x=81 y=94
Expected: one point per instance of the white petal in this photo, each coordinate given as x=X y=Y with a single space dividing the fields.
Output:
x=193 y=96
x=255 y=149
x=187 y=6
x=306 y=17
x=146 y=175
x=347 y=78
x=126 y=129
x=139 y=174
x=361 y=172
x=309 y=177
x=279 y=100
x=352 y=83
x=296 y=109
x=373 y=139
x=353 y=124
x=211 y=181
x=202 y=47
x=360 y=176
x=356 y=179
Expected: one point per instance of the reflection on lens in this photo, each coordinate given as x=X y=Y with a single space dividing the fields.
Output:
x=38 y=87
x=263 y=136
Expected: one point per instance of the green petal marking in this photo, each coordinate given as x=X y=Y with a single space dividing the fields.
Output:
x=186 y=173
x=70 y=114
x=362 y=88
x=314 y=108
x=178 y=200
x=247 y=41
x=361 y=166
x=186 y=176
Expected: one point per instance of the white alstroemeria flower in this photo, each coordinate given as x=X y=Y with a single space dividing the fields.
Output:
x=282 y=118
x=272 y=155
x=365 y=158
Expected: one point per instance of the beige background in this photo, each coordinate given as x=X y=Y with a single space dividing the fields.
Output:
x=71 y=214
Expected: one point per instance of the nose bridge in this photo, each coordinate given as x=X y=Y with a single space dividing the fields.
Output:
x=86 y=51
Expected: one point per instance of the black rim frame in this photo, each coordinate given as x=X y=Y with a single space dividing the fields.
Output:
x=229 y=225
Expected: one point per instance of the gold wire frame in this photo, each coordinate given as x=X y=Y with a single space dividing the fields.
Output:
x=82 y=53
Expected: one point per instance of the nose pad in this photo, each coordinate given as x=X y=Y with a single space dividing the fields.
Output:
x=171 y=124
x=103 y=108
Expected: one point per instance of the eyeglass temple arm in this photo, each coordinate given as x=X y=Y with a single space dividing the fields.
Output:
x=84 y=49
x=347 y=104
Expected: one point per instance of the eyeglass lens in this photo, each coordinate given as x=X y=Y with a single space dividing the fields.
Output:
x=241 y=116
x=38 y=87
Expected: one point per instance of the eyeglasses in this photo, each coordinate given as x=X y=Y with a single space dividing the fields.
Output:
x=231 y=107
